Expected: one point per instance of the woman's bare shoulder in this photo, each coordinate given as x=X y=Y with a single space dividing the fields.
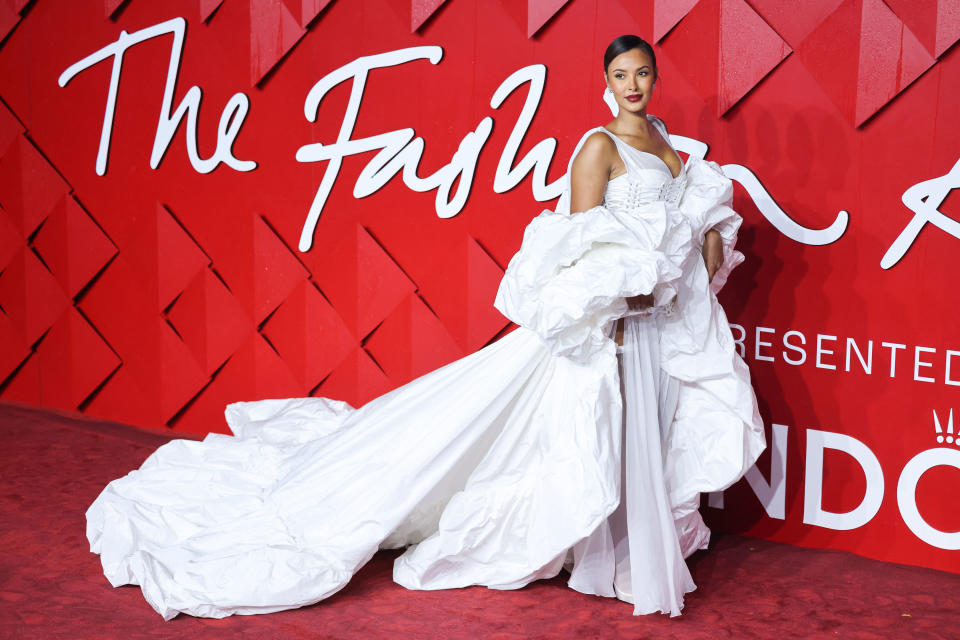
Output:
x=598 y=140
x=597 y=148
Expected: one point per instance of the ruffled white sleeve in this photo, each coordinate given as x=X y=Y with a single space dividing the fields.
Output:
x=706 y=204
x=571 y=276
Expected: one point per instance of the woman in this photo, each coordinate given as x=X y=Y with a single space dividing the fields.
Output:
x=555 y=447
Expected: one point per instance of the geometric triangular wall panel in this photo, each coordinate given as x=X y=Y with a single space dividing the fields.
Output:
x=361 y=281
x=540 y=12
x=794 y=21
x=666 y=15
x=426 y=344
x=935 y=23
x=309 y=335
x=742 y=48
x=421 y=10
x=888 y=57
x=72 y=245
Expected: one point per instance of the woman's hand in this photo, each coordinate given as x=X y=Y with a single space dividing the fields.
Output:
x=639 y=303
x=712 y=252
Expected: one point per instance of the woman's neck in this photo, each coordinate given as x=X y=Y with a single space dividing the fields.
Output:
x=629 y=123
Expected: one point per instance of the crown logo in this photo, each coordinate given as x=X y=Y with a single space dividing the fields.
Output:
x=949 y=438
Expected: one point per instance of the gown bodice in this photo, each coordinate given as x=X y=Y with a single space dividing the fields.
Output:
x=647 y=179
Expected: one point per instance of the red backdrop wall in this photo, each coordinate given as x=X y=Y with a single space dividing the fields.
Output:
x=154 y=295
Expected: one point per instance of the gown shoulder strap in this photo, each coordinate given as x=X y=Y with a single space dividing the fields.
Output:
x=616 y=141
x=661 y=127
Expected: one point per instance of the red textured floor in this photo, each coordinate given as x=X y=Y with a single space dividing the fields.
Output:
x=54 y=465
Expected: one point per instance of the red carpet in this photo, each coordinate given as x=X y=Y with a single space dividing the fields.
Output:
x=53 y=466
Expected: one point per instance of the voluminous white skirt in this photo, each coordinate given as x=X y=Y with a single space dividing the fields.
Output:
x=492 y=467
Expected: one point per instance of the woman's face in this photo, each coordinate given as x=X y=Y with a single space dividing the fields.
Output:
x=631 y=76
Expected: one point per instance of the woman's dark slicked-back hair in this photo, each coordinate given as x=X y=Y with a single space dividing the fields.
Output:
x=627 y=43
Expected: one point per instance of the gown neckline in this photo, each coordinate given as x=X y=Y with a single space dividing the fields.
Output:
x=683 y=165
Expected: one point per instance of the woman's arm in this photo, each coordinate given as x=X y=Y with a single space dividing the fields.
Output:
x=712 y=252
x=589 y=175
x=590 y=172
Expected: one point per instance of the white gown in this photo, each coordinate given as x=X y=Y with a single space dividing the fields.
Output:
x=498 y=469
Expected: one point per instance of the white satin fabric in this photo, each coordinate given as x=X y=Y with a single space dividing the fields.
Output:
x=543 y=449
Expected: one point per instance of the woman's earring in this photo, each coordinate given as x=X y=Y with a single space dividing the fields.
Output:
x=611 y=101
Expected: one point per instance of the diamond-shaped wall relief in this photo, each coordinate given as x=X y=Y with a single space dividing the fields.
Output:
x=29 y=185
x=272 y=27
x=361 y=281
x=207 y=7
x=794 y=21
x=356 y=380
x=74 y=360
x=72 y=245
x=180 y=375
x=655 y=18
x=10 y=239
x=31 y=296
x=540 y=12
x=24 y=385
x=421 y=10
x=260 y=373
x=666 y=15
x=159 y=373
x=10 y=129
x=411 y=342
x=461 y=289
x=210 y=320
x=276 y=270
x=163 y=255
x=123 y=399
x=741 y=49
x=259 y=269
x=863 y=56
x=15 y=349
x=9 y=18
x=306 y=10
x=124 y=328
x=152 y=384
x=935 y=23
x=274 y=30
x=110 y=7
x=309 y=335
x=253 y=372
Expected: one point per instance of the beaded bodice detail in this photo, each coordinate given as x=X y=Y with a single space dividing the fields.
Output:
x=628 y=192
x=648 y=178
